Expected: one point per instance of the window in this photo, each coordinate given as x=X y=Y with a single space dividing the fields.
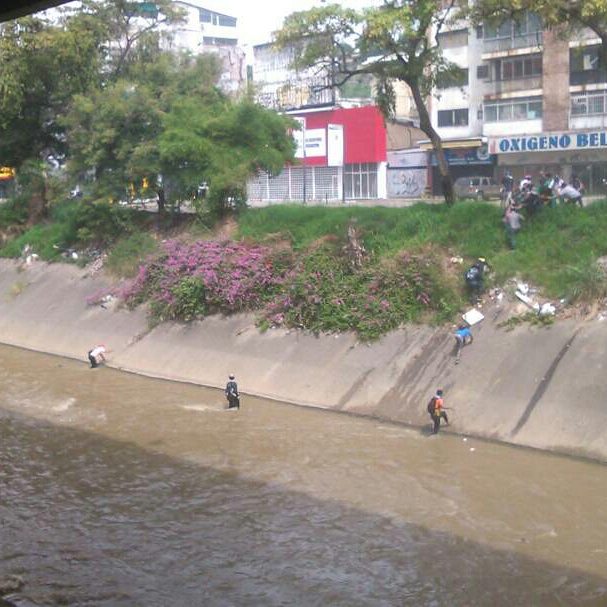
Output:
x=453 y=39
x=530 y=23
x=453 y=117
x=585 y=59
x=589 y=104
x=226 y=21
x=211 y=41
x=207 y=16
x=458 y=79
x=514 y=69
x=586 y=66
x=482 y=72
x=516 y=109
x=360 y=180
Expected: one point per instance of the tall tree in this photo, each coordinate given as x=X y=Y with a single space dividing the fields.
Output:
x=45 y=64
x=224 y=145
x=131 y=31
x=397 y=41
x=172 y=121
x=566 y=16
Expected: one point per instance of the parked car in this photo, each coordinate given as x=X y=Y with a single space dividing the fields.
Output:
x=479 y=187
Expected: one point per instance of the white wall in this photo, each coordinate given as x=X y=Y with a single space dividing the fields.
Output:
x=514 y=127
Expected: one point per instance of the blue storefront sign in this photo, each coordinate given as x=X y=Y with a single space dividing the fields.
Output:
x=548 y=142
x=466 y=156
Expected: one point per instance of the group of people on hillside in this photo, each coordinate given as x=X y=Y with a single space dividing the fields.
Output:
x=530 y=197
x=548 y=190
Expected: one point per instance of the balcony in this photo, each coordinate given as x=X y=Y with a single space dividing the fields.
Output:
x=588 y=110
x=495 y=88
x=491 y=46
x=587 y=77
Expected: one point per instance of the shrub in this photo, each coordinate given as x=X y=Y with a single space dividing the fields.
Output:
x=319 y=290
x=219 y=277
x=325 y=294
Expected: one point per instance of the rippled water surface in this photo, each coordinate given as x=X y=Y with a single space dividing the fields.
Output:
x=117 y=490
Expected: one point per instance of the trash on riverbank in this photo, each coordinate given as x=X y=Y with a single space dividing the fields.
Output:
x=473 y=316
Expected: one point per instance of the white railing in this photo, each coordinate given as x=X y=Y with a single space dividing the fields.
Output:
x=532 y=40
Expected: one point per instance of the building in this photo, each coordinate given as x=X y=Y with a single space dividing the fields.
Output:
x=207 y=29
x=528 y=101
x=282 y=88
x=341 y=154
x=346 y=140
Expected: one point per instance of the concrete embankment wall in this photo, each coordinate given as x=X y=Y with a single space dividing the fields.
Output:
x=544 y=388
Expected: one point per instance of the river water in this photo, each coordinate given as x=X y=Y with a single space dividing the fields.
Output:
x=118 y=490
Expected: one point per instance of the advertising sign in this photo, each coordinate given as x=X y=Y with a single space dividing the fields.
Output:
x=316 y=143
x=546 y=142
x=335 y=145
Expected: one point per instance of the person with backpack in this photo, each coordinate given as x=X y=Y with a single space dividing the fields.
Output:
x=232 y=394
x=436 y=411
x=474 y=278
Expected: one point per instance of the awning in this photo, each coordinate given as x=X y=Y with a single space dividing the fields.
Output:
x=452 y=144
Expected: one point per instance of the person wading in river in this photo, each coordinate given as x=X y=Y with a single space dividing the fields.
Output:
x=436 y=410
x=232 y=394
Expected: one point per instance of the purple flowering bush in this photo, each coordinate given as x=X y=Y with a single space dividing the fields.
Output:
x=318 y=290
x=191 y=280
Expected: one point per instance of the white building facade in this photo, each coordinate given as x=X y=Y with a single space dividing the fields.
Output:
x=528 y=101
x=207 y=29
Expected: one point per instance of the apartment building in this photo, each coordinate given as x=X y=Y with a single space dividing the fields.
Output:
x=282 y=88
x=528 y=101
x=207 y=29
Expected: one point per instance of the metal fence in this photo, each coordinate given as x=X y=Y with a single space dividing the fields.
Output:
x=321 y=184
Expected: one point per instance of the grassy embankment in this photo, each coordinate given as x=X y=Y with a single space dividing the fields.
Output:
x=293 y=265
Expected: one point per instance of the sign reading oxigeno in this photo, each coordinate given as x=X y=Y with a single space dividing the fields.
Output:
x=548 y=142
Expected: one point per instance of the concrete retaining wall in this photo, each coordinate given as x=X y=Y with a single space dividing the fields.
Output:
x=544 y=388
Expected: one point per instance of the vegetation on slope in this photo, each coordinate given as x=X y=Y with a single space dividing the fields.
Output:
x=368 y=270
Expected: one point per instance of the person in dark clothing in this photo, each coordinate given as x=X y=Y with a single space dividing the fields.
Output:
x=474 y=277
x=436 y=411
x=232 y=395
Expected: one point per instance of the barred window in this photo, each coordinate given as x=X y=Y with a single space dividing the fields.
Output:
x=516 y=109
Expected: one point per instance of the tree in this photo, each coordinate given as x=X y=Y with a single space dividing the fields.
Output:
x=46 y=64
x=223 y=145
x=397 y=41
x=131 y=31
x=566 y=16
x=172 y=121
x=43 y=66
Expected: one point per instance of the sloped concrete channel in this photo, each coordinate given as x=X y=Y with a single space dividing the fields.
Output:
x=542 y=388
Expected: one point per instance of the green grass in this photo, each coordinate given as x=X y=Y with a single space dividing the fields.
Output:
x=129 y=253
x=468 y=226
x=556 y=250
x=41 y=238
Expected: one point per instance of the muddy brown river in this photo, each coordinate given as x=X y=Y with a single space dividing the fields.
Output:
x=118 y=490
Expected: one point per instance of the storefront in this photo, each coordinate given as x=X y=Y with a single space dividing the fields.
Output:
x=468 y=157
x=341 y=154
x=566 y=153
